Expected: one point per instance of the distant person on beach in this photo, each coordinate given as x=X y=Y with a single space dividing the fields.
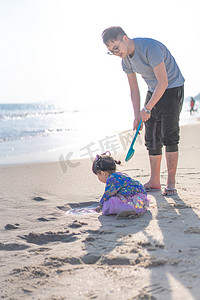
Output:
x=192 y=103
x=123 y=196
x=164 y=99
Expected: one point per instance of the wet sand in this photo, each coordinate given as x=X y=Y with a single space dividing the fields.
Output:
x=47 y=254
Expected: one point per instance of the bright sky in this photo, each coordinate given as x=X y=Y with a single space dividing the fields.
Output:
x=52 y=49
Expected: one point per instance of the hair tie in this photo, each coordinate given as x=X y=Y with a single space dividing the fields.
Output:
x=105 y=153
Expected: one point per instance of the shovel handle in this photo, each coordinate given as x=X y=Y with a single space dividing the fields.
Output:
x=137 y=131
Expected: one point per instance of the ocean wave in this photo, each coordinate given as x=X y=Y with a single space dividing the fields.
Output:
x=25 y=115
x=34 y=134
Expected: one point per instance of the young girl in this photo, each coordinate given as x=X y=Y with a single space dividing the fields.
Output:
x=123 y=196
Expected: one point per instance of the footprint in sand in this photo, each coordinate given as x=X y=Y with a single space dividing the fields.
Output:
x=195 y=230
x=77 y=224
x=11 y=227
x=181 y=206
x=145 y=296
x=38 y=199
x=12 y=247
x=42 y=219
x=39 y=250
x=48 y=237
x=59 y=261
x=64 y=208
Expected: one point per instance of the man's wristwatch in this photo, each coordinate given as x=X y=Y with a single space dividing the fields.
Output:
x=147 y=111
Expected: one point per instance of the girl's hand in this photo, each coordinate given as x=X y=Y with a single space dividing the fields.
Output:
x=98 y=209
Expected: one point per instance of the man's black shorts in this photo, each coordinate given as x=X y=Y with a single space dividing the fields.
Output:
x=163 y=126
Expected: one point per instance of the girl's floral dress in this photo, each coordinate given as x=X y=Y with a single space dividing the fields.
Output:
x=123 y=193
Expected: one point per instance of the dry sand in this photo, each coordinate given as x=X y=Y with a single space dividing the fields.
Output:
x=47 y=254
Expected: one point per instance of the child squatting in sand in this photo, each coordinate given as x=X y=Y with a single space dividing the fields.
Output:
x=123 y=196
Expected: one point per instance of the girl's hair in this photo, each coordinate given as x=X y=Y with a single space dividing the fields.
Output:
x=104 y=162
x=112 y=34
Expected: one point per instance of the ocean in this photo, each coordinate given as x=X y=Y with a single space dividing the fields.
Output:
x=41 y=132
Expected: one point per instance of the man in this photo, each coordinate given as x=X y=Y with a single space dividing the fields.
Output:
x=164 y=100
x=192 y=102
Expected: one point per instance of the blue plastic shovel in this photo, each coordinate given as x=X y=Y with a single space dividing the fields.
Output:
x=131 y=151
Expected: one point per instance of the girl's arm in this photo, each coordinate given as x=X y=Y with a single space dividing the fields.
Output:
x=113 y=185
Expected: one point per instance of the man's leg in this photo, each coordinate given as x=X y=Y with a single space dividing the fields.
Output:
x=170 y=134
x=172 y=160
x=153 y=143
x=155 y=163
x=154 y=146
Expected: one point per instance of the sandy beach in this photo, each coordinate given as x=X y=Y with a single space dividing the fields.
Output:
x=48 y=254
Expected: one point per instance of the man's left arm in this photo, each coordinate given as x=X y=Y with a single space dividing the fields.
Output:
x=161 y=75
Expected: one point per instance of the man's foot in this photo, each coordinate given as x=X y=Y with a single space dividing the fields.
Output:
x=169 y=192
x=152 y=186
x=150 y=189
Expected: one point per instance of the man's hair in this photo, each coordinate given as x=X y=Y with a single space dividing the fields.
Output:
x=112 y=34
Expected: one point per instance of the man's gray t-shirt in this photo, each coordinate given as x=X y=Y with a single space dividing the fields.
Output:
x=148 y=54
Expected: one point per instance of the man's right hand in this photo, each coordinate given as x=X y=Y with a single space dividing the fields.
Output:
x=136 y=123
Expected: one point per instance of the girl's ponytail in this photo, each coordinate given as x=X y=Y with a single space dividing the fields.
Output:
x=104 y=162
